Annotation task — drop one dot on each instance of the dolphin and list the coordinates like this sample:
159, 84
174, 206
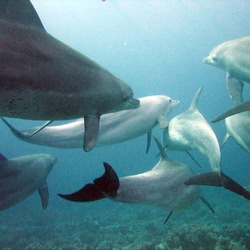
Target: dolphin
238, 127
22, 176
191, 131
114, 127
162, 186
234, 57
236, 110
42, 78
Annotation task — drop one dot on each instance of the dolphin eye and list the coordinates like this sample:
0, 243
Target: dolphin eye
170, 100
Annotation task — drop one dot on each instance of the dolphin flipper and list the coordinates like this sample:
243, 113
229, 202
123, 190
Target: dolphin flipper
104, 186
91, 124
44, 195
41, 128
149, 136
234, 88
238, 109
21, 12
218, 179
207, 203
225, 139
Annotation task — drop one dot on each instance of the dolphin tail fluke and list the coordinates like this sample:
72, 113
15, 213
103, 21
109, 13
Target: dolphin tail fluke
218, 179
44, 195
104, 186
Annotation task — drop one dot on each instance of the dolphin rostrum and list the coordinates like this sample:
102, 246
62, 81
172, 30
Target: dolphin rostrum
191, 131
41, 78
114, 127
234, 57
22, 176
162, 186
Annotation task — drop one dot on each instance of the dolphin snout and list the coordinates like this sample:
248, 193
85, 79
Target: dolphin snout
208, 59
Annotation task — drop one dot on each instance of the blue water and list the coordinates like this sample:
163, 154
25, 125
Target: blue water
156, 47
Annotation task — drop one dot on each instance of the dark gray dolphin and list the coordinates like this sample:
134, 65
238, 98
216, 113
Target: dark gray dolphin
22, 176
114, 127
43, 79
162, 186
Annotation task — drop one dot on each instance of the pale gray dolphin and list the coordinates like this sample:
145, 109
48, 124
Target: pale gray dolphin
114, 127
22, 176
43, 79
162, 186
234, 57
191, 131
238, 127
236, 110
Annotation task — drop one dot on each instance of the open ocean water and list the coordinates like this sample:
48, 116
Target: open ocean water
157, 47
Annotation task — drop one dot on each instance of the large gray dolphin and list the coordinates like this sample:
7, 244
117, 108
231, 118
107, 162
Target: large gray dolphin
162, 186
234, 57
236, 110
43, 79
114, 127
238, 127
191, 131
22, 176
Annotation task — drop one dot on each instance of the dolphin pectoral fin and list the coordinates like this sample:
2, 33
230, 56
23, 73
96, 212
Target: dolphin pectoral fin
40, 128
218, 179
89, 192
44, 195
236, 110
234, 88
91, 124
191, 156
104, 186
15, 131
169, 215
149, 136
225, 139
207, 203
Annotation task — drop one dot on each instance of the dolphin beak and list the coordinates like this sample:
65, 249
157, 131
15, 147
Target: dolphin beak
135, 103
207, 60
175, 103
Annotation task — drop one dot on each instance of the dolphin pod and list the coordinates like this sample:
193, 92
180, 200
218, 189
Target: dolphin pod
162, 186
233, 57
22, 176
114, 127
41, 78
191, 131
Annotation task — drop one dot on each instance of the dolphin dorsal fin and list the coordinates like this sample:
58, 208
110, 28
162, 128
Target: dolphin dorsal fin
20, 12
162, 152
194, 103
2, 158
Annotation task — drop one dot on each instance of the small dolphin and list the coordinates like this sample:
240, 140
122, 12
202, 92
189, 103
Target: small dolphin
236, 110
234, 57
238, 127
191, 131
114, 127
162, 186
22, 176
43, 79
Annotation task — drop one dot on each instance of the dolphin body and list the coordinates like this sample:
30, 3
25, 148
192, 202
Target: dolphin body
162, 186
191, 131
43, 79
238, 127
234, 57
114, 127
22, 176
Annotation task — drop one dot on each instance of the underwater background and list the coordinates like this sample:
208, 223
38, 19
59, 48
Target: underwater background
157, 47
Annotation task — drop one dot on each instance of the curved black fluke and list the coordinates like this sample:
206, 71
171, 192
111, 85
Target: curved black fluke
104, 186
218, 179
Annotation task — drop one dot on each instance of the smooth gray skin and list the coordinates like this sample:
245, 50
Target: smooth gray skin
238, 127
114, 127
43, 79
234, 57
162, 186
22, 176
191, 131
